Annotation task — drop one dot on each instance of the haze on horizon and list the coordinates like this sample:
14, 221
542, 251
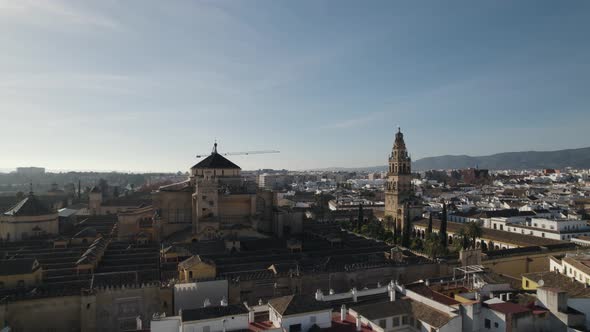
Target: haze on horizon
146, 85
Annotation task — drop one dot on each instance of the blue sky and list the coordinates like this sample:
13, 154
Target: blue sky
146, 85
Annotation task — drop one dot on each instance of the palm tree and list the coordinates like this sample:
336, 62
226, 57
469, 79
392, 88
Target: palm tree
433, 246
473, 230
463, 236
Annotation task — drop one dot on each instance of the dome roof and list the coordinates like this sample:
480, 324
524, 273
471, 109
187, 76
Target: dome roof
29, 206
215, 160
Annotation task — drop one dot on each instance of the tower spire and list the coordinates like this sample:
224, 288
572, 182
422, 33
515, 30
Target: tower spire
214, 147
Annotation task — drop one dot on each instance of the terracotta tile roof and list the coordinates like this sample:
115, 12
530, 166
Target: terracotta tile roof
551, 279
404, 306
296, 304
429, 315
193, 260
431, 294
508, 308
179, 186
580, 264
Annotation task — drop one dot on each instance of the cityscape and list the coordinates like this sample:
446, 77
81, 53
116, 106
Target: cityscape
300, 232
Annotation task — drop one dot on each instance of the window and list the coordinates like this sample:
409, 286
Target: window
295, 328
526, 283
404, 320
206, 328
496, 325
395, 321
312, 319
383, 323
487, 323
543, 234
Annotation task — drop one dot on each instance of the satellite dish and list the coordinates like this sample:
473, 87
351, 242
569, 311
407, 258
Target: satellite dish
541, 283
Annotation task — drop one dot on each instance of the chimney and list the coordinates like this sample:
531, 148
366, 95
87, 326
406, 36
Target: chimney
223, 302
358, 323
319, 296
391, 293
138, 323
343, 313
206, 303
354, 294
251, 316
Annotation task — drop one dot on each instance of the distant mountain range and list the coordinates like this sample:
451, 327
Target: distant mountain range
576, 158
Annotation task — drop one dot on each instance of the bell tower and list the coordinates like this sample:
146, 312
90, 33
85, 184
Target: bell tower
398, 188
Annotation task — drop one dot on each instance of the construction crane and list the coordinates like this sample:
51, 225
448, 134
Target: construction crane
244, 153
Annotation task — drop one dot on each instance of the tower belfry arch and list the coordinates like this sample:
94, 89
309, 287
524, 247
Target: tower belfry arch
398, 188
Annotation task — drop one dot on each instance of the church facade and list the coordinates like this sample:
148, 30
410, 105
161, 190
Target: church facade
214, 202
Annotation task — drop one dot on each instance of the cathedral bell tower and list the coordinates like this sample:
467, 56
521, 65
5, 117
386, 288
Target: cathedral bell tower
398, 188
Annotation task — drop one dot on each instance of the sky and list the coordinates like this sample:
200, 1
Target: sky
143, 85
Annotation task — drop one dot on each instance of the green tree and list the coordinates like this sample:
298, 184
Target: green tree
433, 246
406, 234
473, 231
461, 239
417, 244
361, 216
429, 229
443, 226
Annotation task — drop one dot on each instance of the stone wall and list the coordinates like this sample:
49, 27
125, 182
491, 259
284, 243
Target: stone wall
43, 314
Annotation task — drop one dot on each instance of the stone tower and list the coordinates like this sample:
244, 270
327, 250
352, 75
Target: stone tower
398, 190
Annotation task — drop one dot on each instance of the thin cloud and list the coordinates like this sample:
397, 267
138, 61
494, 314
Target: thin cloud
355, 122
31, 11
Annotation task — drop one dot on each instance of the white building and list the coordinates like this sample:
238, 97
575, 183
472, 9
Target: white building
557, 229
294, 313
209, 319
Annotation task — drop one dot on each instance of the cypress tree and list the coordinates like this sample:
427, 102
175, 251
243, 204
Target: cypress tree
429, 229
360, 217
406, 231
443, 226
395, 231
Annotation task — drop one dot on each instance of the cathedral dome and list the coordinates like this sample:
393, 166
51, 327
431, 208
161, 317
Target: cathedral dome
29, 206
